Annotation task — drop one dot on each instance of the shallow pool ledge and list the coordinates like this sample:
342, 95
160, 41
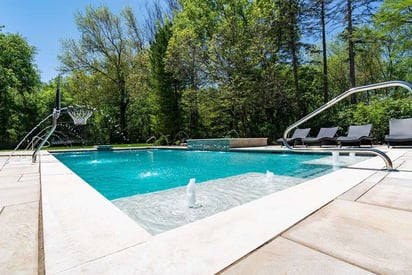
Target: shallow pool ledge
79, 224
206, 246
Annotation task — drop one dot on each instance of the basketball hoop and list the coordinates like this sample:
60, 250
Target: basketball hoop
79, 114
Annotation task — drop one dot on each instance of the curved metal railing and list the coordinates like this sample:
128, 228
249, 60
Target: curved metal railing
56, 114
337, 99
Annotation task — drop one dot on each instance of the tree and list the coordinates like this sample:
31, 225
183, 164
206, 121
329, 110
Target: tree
324, 52
351, 54
157, 13
226, 49
107, 47
287, 20
394, 24
316, 23
19, 80
187, 53
355, 13
167, 89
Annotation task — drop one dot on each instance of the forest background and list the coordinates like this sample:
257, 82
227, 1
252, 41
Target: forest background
214, 68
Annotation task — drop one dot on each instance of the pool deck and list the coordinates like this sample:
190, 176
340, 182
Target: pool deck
356, 220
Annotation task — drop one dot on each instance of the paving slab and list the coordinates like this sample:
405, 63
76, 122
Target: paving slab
19, 215
11, 169
405, 162
282, 256
18, 177
391, 192
406, 166
400, 174
19, 239
18, 193
372, 237
360, 189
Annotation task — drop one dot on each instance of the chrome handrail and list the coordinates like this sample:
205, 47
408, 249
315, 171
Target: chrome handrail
337, 99
56, 114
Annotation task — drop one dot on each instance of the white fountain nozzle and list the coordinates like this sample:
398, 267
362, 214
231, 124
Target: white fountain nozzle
335, 157
191, 193
269, 175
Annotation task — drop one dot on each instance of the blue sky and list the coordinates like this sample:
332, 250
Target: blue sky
44, 23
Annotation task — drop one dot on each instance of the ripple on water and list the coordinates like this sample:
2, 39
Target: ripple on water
161, 211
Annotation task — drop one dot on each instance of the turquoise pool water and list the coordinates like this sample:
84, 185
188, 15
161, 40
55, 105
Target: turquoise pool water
123, 173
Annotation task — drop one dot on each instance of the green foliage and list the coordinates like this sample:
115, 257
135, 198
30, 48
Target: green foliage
166, 88
378, 112
19, 81
107, 50
163, 140
226, 52
394, 26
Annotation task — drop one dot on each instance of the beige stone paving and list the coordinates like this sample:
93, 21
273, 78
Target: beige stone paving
19, 211
282, 256
11, 194
391, 192
18, 239
375, 238
360, 189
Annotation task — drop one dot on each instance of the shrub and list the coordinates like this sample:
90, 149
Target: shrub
379, 112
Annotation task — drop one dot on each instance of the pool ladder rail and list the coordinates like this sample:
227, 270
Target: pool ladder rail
374, 151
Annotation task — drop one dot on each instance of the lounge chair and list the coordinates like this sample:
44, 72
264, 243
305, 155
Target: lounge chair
357, 135
296, 138
400, 132
326, 136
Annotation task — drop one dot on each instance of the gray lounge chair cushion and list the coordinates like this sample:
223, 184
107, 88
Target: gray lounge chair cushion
356, 134
325, 135
398, 138
298, 135
400, 130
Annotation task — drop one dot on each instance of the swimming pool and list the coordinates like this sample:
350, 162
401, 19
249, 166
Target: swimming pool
122, 173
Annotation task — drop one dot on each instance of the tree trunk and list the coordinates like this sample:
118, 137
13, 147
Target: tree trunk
324, 53
124, 101
293, 51
351, 47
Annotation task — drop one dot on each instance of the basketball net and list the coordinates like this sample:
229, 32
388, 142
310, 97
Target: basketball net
79, 114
